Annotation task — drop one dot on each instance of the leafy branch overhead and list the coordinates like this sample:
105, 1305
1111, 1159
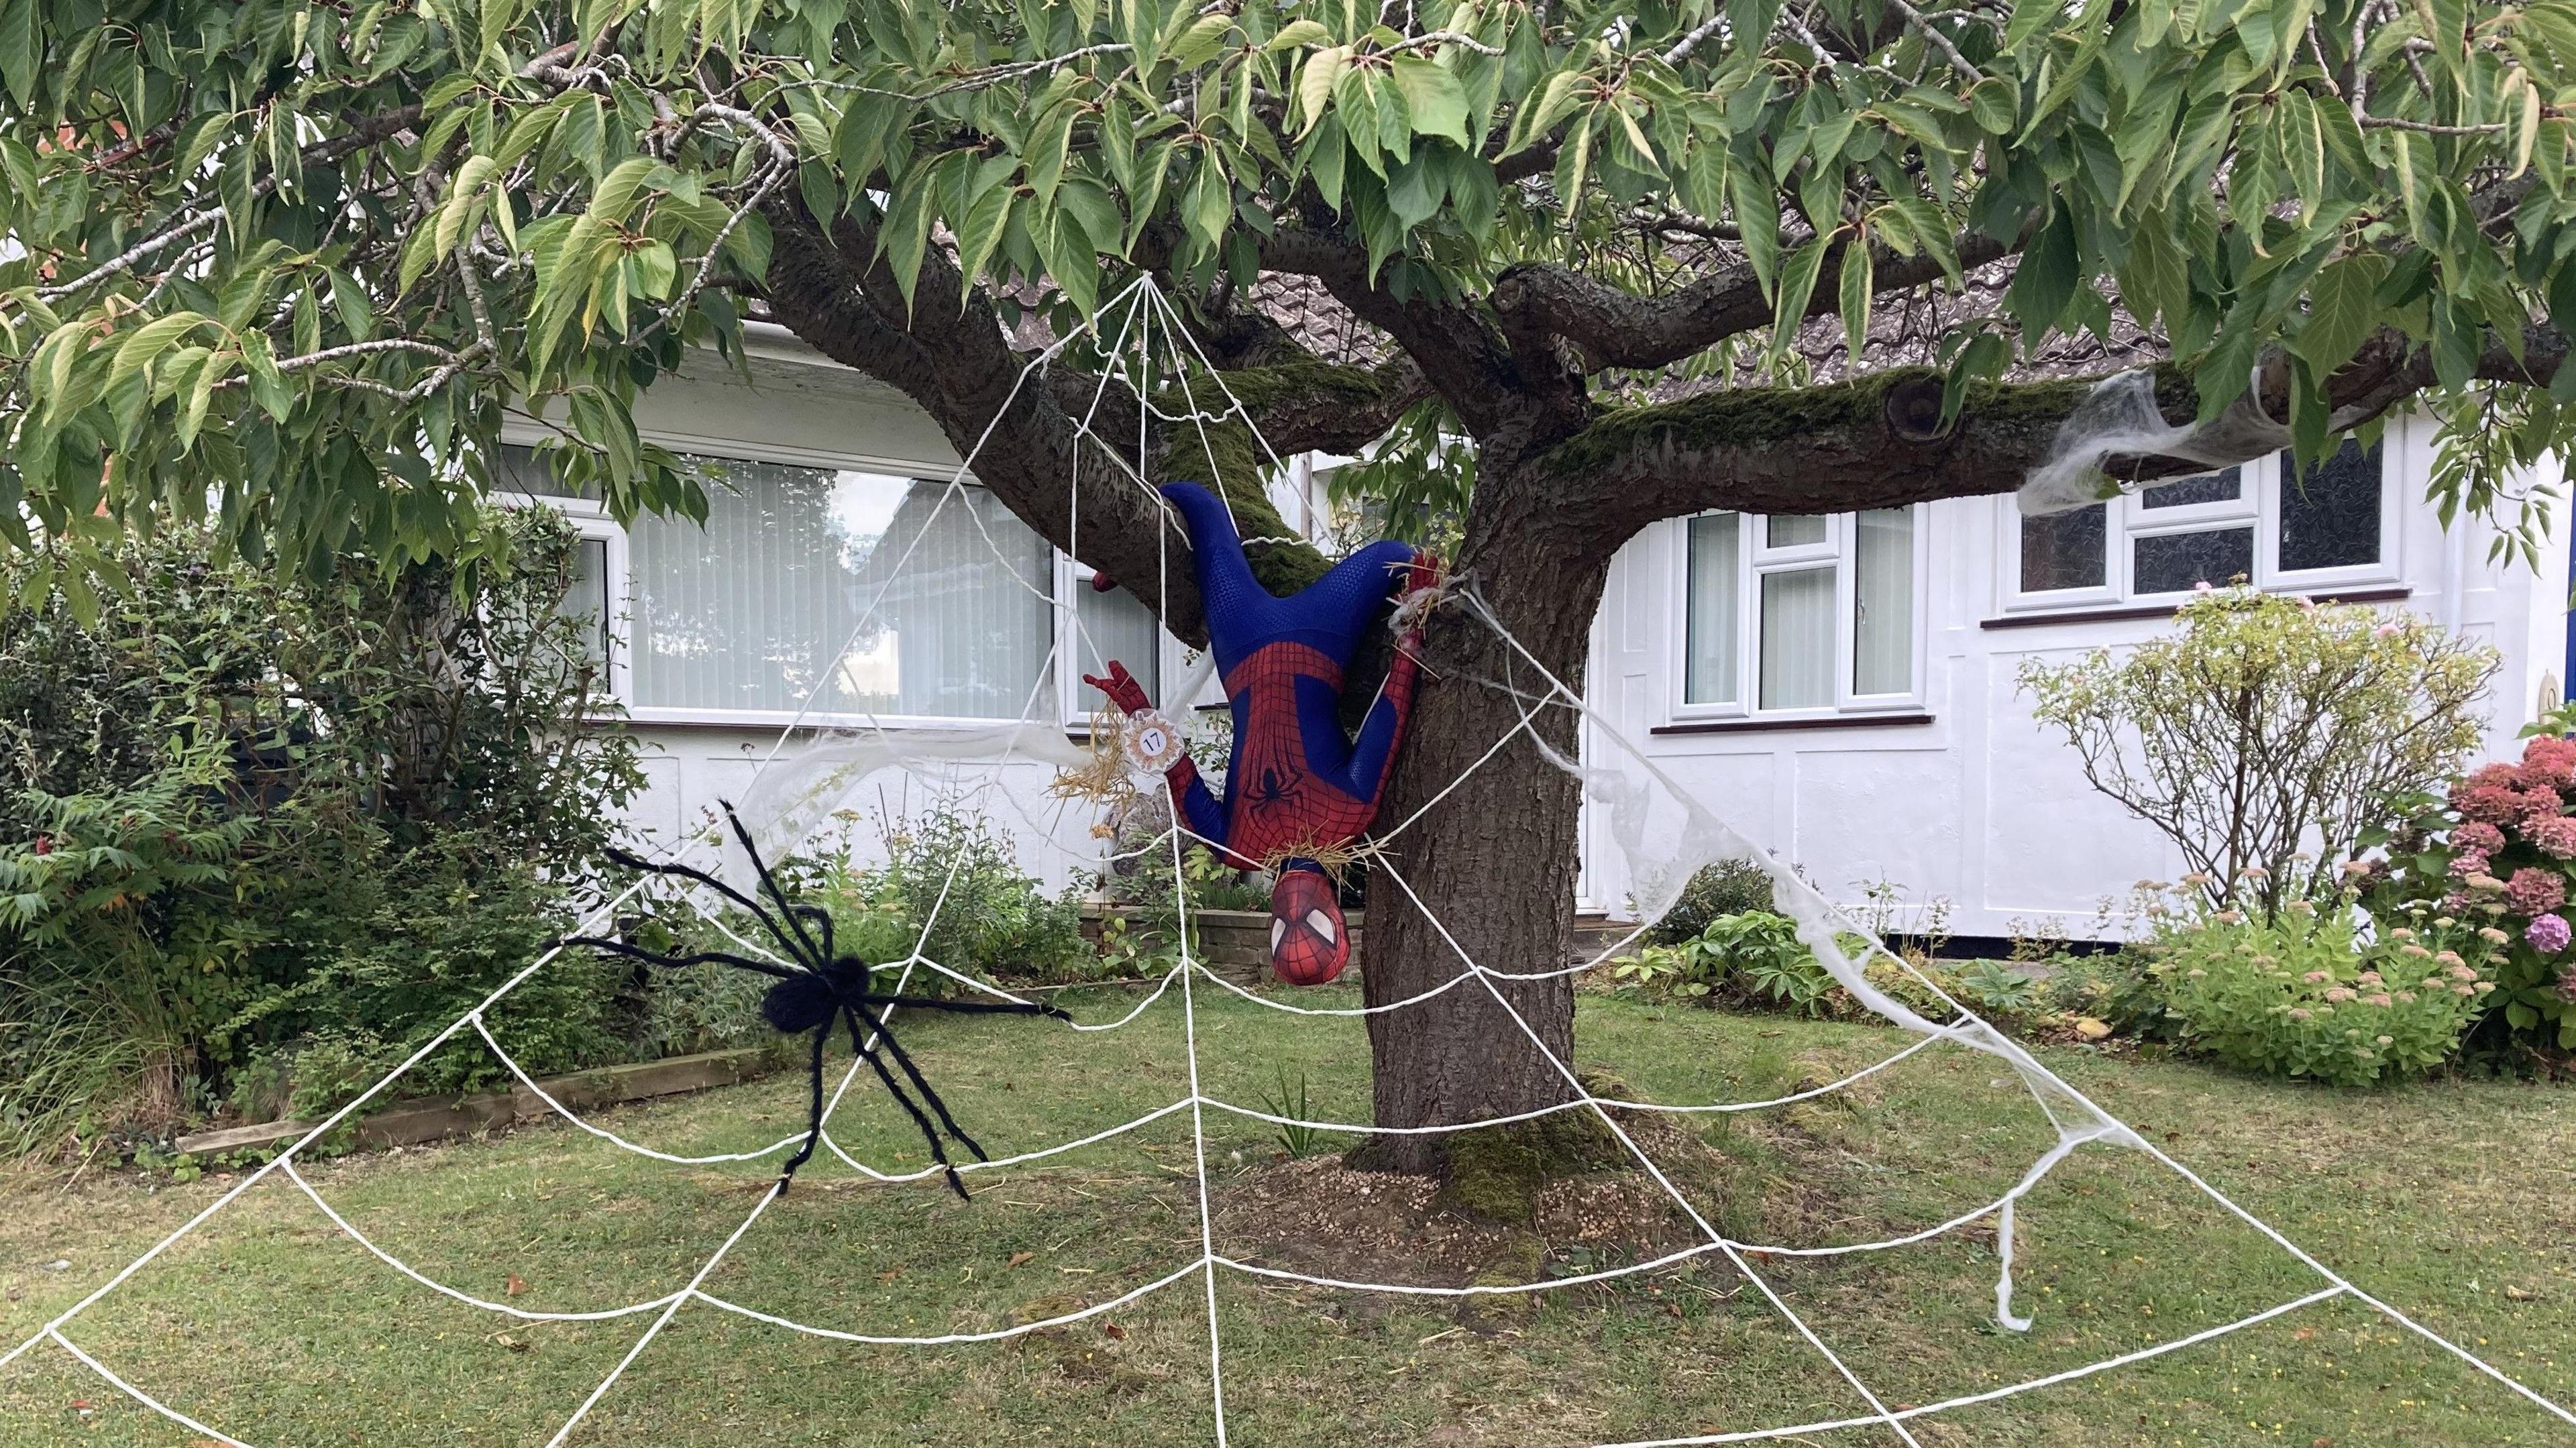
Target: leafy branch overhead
291, 262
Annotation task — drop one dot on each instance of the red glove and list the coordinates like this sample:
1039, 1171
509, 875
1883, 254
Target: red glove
1122, 689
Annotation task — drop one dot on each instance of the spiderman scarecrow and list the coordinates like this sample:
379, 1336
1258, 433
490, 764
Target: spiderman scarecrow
1296, 786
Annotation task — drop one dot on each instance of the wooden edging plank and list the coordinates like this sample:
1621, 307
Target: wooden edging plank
412, 1123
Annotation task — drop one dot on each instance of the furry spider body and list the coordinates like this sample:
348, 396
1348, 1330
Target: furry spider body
817, 990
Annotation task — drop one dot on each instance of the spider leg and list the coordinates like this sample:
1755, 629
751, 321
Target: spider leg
676, 870
822, 919
679, 962
938, 1153
769, 885
903, 1058
814, 1113
963, 1007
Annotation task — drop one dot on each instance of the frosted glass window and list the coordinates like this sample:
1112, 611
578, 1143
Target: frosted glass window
1792, 532
2178, 562
1709, 674
752, 611
2064, 550
1883, 600
2224, 486
1798, 639
1114, 625
2330, 512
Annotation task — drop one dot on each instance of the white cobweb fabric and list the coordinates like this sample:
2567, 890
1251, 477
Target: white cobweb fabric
1665, 836
2120, 418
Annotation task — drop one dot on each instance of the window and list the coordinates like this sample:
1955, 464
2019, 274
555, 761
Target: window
1798, 614
833, 591
2267, 522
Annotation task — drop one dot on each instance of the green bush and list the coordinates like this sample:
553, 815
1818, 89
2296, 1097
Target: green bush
1728, 887
2300, 995
985, 916
260, 832
1750, 958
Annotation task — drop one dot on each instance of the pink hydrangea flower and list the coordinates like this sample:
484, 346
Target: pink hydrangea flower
2554, 836
2478, 835
2548, 934
2538, 804
2494, 804
2468, 864
2549, 761
2567, 986
2532, 890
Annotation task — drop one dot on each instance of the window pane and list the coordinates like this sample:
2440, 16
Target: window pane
1791, 532
2219, 487
1709, 672
751, 611
2179, 562
1883, 585
1114, 625
2064, 550
1798, 639
587, 598
2330, 513
521, 470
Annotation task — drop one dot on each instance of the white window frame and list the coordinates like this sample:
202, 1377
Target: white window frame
2259, 504
1756, 558
591, 519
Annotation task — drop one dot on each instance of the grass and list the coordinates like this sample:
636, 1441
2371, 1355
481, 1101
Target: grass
2453, 1201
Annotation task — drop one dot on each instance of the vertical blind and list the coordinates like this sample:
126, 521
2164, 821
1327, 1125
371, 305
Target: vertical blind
749, 612
1709, 672
1883, 601
1113, 625
1798, 638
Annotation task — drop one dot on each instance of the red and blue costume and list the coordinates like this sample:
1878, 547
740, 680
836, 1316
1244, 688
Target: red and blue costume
1295, 783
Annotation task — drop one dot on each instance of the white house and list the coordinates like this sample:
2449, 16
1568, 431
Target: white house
1842, 689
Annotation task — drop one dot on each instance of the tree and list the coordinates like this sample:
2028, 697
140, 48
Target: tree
291, 260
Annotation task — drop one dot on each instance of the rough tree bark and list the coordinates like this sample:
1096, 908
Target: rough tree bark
1562, 483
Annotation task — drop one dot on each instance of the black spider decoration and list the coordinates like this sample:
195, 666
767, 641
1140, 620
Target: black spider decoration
821, 989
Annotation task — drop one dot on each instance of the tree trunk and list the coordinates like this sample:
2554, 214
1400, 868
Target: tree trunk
1494, 861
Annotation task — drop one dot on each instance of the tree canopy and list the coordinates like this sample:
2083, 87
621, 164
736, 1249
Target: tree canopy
290, 260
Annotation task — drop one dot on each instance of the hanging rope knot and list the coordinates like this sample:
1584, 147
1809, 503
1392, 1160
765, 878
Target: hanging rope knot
1428, 589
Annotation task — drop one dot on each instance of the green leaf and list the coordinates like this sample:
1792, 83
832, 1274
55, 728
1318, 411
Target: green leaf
981, 232
22, 49
2045, 281
2343, 309
1432, 97
1797, 286
1858, 268
1996, 104
1296, 33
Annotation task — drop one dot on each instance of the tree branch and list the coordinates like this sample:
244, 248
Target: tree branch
1876, 442
1618, 328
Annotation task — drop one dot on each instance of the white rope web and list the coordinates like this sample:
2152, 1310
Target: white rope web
787, 803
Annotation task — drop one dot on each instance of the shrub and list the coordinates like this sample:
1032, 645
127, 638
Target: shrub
1728, 887
255, 824
2301, 995
2264, 733
984, 915
1750, 958
2496, 851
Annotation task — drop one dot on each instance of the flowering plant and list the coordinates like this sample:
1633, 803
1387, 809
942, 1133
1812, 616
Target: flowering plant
2305, 994
2498, 852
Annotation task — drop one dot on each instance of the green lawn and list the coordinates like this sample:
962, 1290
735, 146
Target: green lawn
2453, 1201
